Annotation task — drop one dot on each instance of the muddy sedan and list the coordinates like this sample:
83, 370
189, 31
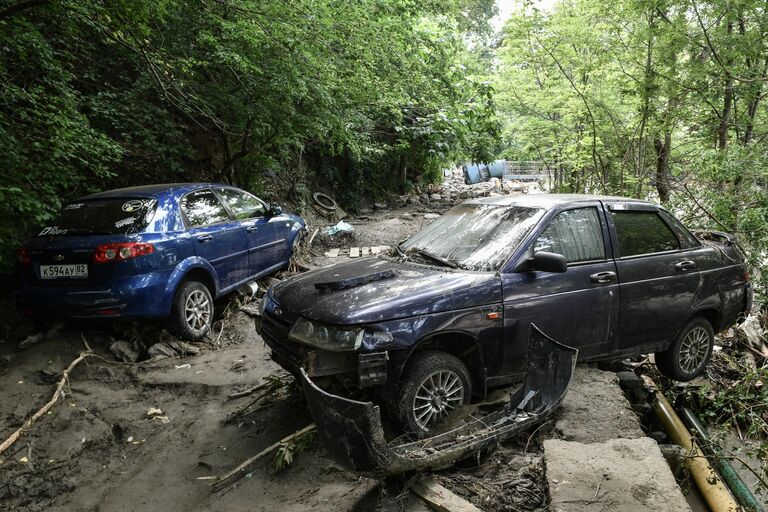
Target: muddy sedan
447, 316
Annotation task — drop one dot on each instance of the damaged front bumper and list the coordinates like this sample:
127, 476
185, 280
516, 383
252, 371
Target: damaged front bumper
353, 435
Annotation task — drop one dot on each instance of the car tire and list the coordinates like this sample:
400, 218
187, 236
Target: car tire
688, 356
435, 379
192, 312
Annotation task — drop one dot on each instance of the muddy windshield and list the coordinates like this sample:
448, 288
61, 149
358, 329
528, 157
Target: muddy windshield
474, 236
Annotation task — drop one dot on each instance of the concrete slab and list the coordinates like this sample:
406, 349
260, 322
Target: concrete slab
620, 475
595, 409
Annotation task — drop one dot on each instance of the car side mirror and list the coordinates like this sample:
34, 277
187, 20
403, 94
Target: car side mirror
547, 262
275, 209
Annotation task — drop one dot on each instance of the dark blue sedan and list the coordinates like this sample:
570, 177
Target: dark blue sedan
449, 315
156, 251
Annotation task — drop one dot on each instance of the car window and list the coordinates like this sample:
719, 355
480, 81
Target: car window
576, 234
242, 204
203, 207
107, 216
643, 233
687, 240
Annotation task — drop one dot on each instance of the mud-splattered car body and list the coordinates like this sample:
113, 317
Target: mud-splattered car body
607, 303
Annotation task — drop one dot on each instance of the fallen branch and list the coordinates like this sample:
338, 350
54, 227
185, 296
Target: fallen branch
243, 469
56, 395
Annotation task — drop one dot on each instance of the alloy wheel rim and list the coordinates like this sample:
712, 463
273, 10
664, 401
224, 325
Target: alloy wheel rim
437, 396
197, 310
694, 349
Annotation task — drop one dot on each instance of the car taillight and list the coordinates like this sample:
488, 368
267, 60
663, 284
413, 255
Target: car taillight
24, 258
119, 252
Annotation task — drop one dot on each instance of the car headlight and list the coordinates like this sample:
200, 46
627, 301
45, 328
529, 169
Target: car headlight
325, 336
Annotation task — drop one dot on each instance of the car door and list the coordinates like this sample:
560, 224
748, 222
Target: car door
658, 276
251, 213
577, 307
218, 238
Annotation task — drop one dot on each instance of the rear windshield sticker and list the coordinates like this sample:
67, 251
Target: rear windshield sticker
125, 222
74, 206
53, 230
133, 205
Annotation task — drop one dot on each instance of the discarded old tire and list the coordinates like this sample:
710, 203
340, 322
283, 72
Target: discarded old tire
690, 353
325, 201
192, 313
434, 386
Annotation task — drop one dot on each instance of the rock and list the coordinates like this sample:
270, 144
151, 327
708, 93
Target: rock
465, 194
412, 200
632, 476
380, 206
435, 197
407, 215
161, 350
124, 351
183, 348
365, 211
424, 198
32, 340
431, 216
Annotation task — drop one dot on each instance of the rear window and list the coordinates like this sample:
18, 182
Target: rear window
111, 216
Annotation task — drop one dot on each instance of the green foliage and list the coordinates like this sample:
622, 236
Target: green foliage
287, 451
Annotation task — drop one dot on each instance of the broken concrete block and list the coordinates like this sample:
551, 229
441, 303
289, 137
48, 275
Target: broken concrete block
161, 350
354, 252
333, 253
625, 475
431, 216
365, 251
183, 348
124, 351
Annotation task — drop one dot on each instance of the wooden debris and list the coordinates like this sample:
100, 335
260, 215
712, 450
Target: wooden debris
438, 497
354, 252
244, 468
56, 395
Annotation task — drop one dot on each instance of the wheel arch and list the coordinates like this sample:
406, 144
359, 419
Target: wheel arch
712, 315
464, 346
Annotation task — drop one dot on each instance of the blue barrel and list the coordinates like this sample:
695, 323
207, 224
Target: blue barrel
496, 168
472, 173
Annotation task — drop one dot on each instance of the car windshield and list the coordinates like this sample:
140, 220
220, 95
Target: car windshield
102, 217
474, 236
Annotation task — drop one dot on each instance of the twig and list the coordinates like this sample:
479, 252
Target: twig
533, 434
248, 391
597, 491
56, 395
241, 470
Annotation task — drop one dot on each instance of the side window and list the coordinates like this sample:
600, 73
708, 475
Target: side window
242, 204
576, 234
687, 240
643, 233
203, 208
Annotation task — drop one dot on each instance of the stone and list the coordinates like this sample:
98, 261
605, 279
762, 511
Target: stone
407, 215
183, 348
631, 475
124, 351
160, 350
412, 200
424, 198
380, 206
431, 216
435, 197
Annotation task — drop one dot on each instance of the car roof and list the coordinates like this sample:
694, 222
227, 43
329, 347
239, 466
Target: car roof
549, 201
152, 190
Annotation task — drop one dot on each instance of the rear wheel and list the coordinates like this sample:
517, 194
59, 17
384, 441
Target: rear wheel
192, 313
435, 385
689, 355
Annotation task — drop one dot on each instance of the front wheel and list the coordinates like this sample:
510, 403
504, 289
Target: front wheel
689, 355
192, 313
435, 385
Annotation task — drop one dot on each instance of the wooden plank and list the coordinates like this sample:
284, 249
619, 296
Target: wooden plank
440, 498
354, 252
375, 250
333, 253
365, 251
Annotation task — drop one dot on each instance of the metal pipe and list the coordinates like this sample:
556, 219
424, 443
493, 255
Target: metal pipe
731, 478
704, 476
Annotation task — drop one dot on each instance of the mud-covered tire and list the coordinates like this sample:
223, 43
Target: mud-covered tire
449, 381
689, 354
192, 311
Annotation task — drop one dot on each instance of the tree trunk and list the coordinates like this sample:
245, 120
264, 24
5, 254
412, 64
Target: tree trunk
663, 151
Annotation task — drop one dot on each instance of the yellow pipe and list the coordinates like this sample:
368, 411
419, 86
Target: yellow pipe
704, 476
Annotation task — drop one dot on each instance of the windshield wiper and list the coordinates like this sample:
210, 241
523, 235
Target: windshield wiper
447, 263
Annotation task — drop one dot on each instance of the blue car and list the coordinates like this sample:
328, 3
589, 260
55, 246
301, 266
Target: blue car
157, 251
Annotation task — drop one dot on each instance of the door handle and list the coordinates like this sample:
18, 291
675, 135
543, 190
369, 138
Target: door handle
603, 277
685, 265
204, 238
252, 229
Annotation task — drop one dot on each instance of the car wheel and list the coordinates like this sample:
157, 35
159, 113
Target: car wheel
434, 386
689, 355
192, 310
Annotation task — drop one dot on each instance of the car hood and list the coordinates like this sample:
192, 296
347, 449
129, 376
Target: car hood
375, 289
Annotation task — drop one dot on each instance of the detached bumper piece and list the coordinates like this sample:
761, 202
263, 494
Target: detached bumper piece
352, 431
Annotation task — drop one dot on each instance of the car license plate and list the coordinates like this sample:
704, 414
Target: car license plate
59, 271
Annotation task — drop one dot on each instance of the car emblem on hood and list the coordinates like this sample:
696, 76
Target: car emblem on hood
58, 257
